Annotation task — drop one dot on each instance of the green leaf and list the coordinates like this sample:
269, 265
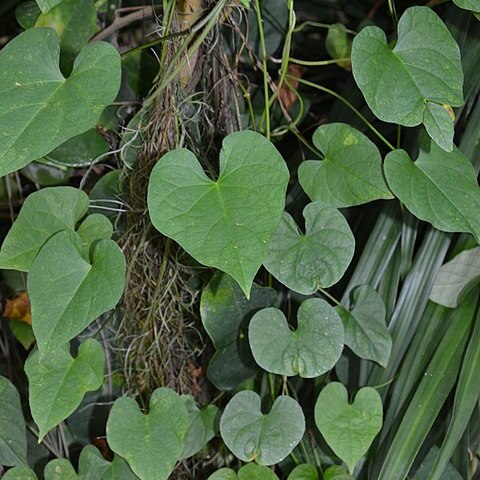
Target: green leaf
316, 259
267, 439
202, 426
339, 45
20, 473
336, 473
81, 290
424, 66
366, 331
456, 278
472, 5
40, 108
439, 125
81, 150
440, 188
58, 383
311, 350
351, 171
152, 443
26, 14
348, 428
92, 466
13, 438
94, 228
45, 174
23, 333
223, 474
226, 313
247, 472
425, 467
46, 5
227, 223
43, 214
60, 469
304, 472
75, 22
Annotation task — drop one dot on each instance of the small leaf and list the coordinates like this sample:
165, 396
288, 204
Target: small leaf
23, 332
58, 383
313, 349
46, 5
81, 291
267, 439
227, 223
440, 188
26, 14
439, 125
152, 443
349, 429
13, 438
366, 331
424, 66
351, 172
223, 474
202, 426
92, 466
226, 313
40, 108
75, 22
318, 258
456, 278
339, 45
43, 214
336, 473
45, 174
94, 228
256, 472
472, 5
20, 473
304, 472
59, 469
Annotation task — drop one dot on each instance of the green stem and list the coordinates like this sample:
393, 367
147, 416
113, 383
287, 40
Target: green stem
318, 63
330, 297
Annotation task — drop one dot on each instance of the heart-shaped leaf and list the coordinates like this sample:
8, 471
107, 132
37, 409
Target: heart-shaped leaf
20, 473
456, 278
202, 426
92, 466
304, 472
366, 331
267, 439
68, 292
58, 383
59, 469
227, 223
351, 171
247, 472
94, 228
75, 22
313, 349
153, 443
226, 313
43, 214
423, 67
349, 429
472, 5
40, 108
13, 438
440, 188
318, 258
336, 472
223, 474
46, 5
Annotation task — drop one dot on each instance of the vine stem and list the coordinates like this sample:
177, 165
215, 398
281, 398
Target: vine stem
264, 63
348, 104
330, 297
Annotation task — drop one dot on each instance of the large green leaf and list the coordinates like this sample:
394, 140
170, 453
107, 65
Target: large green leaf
152, 443
227, 223
311, 350
58, 383
43, 214
13, 439
440, 188
67, 291
202, 426
424, 67
46, 5
267, 439
92, 466
318, 258
366, 331
456, 278
226, 313
40, 109
348, 428
351, 171
75, 22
